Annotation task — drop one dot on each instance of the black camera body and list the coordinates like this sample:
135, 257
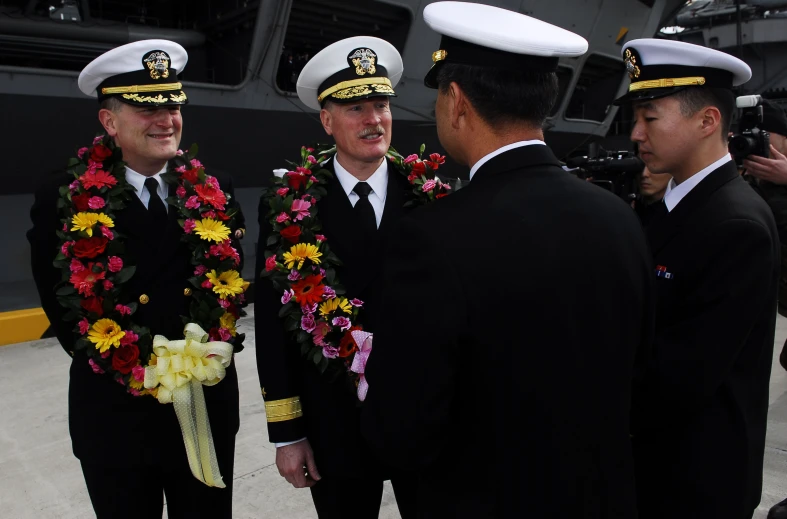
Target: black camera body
750, 139
614, 171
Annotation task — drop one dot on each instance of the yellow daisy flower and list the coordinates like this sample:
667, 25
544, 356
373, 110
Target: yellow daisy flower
228, 283
211, 230
300, 253
228, 321
337, 303
105, 333
85, 221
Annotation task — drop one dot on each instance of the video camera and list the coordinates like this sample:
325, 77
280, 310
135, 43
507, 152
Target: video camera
749, 139
613, 170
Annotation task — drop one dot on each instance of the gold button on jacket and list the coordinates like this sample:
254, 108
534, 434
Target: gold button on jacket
144, 299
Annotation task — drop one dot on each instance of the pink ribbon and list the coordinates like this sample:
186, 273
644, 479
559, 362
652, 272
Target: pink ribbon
364, 342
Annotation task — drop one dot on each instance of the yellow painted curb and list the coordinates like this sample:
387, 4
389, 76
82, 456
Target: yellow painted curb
22, 325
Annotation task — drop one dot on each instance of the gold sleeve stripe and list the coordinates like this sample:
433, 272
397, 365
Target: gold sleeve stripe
133, 89
283, 410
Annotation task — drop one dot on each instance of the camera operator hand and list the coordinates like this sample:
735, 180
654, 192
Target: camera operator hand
773, 169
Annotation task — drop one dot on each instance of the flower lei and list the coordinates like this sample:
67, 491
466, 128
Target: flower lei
95, 270
302, 267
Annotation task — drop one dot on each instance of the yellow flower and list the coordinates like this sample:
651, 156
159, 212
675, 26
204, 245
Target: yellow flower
228, 321
211, 230
333, 304
301, 252
136, 384
105, 333
228, 283
86, 221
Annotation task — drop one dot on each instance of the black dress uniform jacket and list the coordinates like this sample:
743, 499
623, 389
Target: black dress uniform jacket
518, 307
143, 431
330, 417
700, 410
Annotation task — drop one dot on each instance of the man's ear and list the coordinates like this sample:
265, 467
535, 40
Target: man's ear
107, 119
457, 104
710, 120
326, 120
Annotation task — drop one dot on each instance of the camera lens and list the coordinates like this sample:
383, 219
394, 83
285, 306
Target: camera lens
742, 145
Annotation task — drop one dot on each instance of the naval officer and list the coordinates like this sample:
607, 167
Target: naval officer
700, 408
521, 301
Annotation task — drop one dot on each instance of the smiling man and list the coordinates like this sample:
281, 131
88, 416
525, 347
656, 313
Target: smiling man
699, 409
130, 447
314, 421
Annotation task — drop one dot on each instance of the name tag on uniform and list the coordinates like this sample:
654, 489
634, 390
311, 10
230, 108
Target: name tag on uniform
661, 272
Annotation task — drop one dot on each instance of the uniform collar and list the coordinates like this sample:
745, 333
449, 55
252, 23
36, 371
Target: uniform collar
486, 158
138, 179
378, 181
676, 192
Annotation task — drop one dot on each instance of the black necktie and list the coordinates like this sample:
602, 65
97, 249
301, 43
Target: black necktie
156, 207
364, 212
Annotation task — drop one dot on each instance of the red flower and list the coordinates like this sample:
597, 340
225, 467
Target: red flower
309, 290
210, 195
438, 196
93, 304
125, 359
270, 263
296, 180
222, 216
84, 280
291, 233
419, 168
97, 179
347, 345
223, 251
100, 153
89, 247
81, 201
190, 175
437, 159
433, 165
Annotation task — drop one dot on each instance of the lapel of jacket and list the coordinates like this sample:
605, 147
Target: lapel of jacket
395, 198
664, 229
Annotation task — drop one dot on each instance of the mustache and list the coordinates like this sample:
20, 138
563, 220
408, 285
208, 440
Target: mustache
370, 131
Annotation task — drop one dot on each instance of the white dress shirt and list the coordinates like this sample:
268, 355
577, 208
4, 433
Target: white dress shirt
676, 192
138, 181
486, 158
378, 182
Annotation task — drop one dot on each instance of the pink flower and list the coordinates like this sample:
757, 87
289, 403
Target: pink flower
93, 166
115, 264
207, 284
84, 326
212, 181
96, 367
209, 214
283, 217
411, 158
195, 163
320, 237
108, 284
241, 298
330, 352
129, 338
76, 266
287, 296
307, 323
180, 169
179, 153
181, 192
294, 275
73, 186
270, 263
356, 303
322, 272
328, 293
65, 227
224, 334
81, 152
303, 171
282, 191
311, 159
133, 391
189, 225
107, 233
428, 186
98, 140
200, 270
301, 208
309, 309
224, 303
95, 202
123, 309
138, 372
192, 202
106, 354
342, 322
64, 248
308, 149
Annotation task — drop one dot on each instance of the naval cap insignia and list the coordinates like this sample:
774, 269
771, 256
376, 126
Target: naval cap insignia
631, 64
363, 60
157, 62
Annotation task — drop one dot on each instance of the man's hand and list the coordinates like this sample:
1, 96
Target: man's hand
296, 464
773, 169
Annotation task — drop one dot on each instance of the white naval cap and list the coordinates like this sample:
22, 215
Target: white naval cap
488, 36
142, 73
658, 68
350, 69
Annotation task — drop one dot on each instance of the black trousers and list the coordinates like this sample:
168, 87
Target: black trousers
360, 498
138, 492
